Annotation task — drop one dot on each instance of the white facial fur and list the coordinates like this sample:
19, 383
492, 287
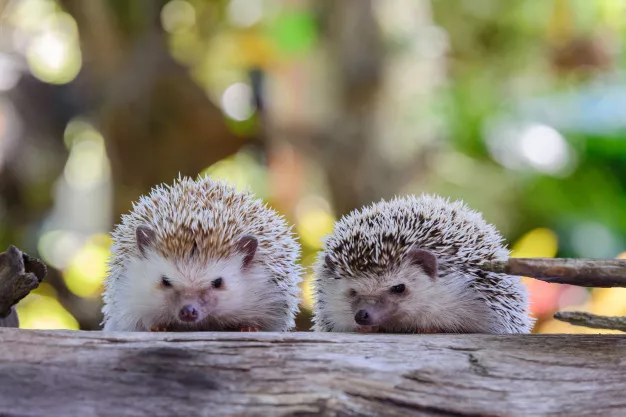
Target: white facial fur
443, 304
246, 297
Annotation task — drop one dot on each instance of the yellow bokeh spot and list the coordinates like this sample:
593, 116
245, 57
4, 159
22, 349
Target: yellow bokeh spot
255, 50
538, 243
54, 55
313, 225
608, 301
242, 171
46, 290
42, 312
307, 294
87, 268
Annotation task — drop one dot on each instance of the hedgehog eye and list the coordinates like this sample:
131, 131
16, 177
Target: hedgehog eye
352, 293
165, 281
217, 283
398, 289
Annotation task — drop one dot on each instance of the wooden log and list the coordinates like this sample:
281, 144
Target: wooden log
63, 373
602, 273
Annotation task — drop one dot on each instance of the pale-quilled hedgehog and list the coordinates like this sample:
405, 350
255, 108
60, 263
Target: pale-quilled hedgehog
201, 256
409, 265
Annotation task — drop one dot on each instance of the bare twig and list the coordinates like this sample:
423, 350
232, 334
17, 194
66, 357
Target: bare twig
19, 275
579, 318
581, 272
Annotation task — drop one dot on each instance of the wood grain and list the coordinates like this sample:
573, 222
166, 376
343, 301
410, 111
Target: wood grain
62, 373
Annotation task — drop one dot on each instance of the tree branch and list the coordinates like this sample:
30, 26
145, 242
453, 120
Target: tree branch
580, 318
602, 273
19, 275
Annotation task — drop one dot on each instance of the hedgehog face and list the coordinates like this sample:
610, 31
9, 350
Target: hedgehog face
387, 301
186, 293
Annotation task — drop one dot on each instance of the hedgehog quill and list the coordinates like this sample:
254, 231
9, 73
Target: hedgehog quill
410, 265
201, 256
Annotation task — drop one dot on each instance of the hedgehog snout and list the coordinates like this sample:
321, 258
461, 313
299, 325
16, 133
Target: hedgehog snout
363, 318
370, 312
188, 313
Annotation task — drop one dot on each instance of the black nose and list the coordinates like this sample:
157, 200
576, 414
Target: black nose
188, 313
362, 317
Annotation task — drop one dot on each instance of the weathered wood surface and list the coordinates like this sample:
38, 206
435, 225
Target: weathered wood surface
44, 373
601, 273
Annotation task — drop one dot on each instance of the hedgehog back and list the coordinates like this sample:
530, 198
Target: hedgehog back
212, 216
377, 237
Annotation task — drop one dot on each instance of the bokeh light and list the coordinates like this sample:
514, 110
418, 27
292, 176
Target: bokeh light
237, 102
87, 269
243, 171
314, 221
178, 16
245, 13
57, 247
88, 164
544, 148
537, 243
44, 312
54, 54
307, 289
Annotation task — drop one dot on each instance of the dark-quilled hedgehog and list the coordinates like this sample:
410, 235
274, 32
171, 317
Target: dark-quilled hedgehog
410, 265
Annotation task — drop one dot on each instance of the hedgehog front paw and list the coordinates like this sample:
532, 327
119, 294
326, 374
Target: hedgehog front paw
367, 329
427, 331
158, 329
249, 329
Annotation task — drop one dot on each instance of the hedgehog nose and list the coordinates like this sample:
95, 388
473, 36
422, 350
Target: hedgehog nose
362, 317
188, 313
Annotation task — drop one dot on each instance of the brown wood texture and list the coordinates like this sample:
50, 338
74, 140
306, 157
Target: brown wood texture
62, 373
581, 272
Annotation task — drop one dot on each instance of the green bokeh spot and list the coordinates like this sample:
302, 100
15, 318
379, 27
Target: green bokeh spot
294, 32
243, 128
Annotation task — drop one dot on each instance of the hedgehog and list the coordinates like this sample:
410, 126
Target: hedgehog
202, 256
411, 265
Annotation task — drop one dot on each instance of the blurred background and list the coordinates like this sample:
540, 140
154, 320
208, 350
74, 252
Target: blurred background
517, 107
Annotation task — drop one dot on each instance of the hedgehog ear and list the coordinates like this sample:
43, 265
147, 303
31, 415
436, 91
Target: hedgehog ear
424, 259
145, 238
247, 246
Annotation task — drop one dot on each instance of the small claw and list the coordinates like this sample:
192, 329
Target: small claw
367, 329
158, 329
249, 329
422, 331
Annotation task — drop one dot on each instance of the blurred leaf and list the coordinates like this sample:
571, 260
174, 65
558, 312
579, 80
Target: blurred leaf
294, 32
